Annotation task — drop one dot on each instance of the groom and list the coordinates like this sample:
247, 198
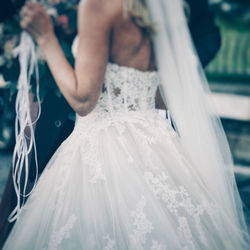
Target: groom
57, 119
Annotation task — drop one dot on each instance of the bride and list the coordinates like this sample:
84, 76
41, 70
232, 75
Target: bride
124, 178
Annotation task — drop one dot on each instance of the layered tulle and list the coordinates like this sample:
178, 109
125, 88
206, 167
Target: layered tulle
122, 183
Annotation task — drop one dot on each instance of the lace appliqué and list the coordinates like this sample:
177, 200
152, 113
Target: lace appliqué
92, 162
89, 153
128, 89
110, 244
142, 226
63, 233
179, 203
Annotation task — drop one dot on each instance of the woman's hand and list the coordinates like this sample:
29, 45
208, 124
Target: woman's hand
36, 21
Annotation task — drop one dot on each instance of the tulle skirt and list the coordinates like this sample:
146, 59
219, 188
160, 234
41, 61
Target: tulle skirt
122, 183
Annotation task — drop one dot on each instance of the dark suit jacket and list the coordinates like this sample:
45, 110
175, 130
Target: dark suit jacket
54, 126
9, 8
205, 33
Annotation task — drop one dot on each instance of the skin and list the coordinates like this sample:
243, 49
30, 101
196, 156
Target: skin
98, 21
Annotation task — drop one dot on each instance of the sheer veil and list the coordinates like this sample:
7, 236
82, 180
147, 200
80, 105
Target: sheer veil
185, 91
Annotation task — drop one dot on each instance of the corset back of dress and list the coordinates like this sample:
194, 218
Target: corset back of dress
127, 89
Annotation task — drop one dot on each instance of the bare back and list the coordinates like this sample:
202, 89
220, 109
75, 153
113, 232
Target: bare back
129, 47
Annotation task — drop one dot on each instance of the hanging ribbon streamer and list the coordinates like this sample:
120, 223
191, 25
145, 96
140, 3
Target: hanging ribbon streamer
185, 91
24, 124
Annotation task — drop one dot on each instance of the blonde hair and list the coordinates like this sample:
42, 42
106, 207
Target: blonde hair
137, 9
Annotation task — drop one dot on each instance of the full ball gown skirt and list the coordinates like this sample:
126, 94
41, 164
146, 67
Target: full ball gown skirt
122, 181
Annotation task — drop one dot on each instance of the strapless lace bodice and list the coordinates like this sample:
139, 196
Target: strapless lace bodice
128, 95
127, 89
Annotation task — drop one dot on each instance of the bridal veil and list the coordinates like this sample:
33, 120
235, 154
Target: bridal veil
186, 92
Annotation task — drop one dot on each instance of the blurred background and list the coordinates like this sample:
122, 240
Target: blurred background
228, 75
229, 78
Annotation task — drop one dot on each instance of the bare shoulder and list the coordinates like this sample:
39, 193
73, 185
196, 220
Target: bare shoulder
103, 10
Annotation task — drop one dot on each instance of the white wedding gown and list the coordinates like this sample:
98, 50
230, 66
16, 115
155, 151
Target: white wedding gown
121, 181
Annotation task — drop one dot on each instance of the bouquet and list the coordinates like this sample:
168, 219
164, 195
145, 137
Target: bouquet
64, 16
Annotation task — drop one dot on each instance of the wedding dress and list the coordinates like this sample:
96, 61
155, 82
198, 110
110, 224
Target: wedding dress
121, 180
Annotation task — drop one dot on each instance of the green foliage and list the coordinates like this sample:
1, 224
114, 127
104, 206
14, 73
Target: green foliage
232, 63
233, 13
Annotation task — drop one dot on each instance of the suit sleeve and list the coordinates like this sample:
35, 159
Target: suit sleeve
205, 33
9, 8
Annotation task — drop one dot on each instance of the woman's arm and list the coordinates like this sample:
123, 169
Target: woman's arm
80, 86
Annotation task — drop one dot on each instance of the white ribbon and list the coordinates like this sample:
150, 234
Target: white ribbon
24, 145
